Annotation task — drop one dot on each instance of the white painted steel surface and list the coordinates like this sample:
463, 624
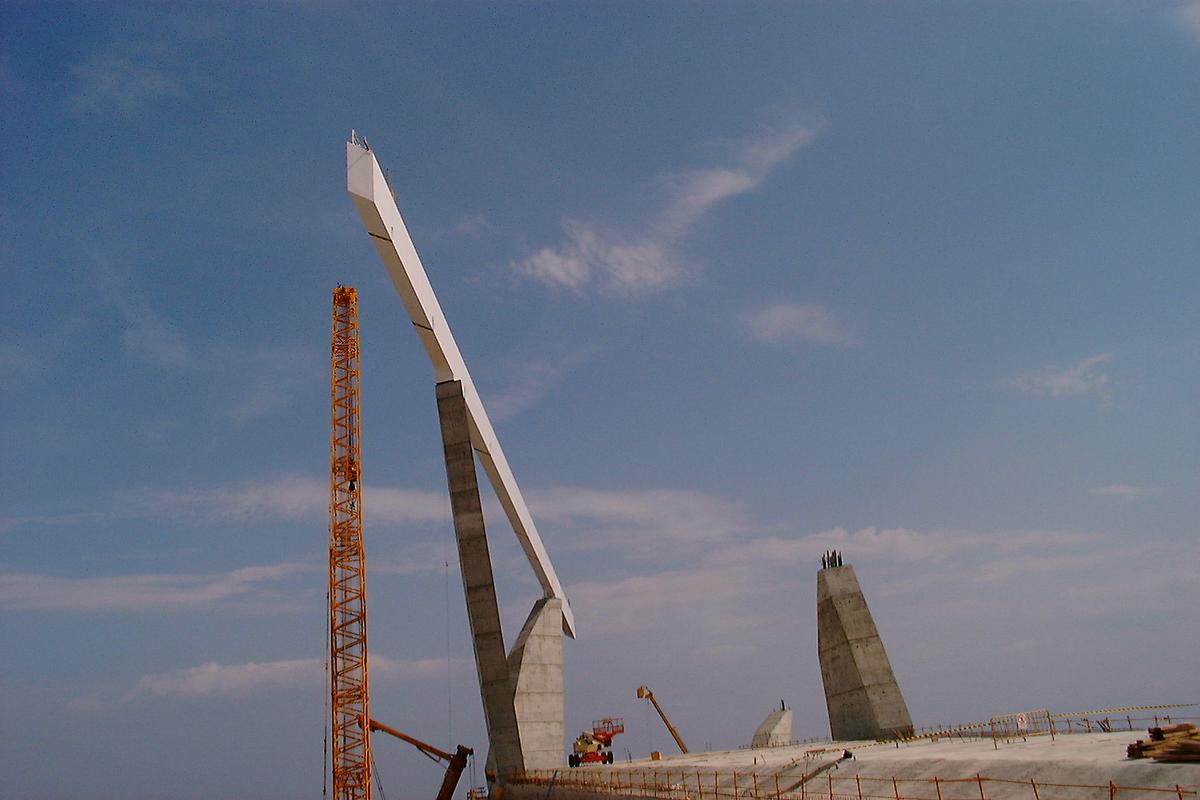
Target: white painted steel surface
377, 207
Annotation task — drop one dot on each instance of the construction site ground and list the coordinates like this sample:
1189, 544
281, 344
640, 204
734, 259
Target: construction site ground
1069, 767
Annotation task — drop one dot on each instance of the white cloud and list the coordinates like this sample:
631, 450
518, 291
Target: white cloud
1189, 17
645, 262
118, 84
792, 322
147, 336
472, 225
739, 592
695, 192
568, 266
291, 497
154, 341
232, 680
709, 604
530, 381
153, 592
1124, 491
1086, 376
617, 265
245, 383
15, 358
241, 680
643, 523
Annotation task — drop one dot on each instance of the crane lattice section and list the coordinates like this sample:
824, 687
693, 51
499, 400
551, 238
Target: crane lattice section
347, 563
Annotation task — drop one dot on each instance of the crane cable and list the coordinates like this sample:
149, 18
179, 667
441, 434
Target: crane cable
378, 781
449, 689
326, 716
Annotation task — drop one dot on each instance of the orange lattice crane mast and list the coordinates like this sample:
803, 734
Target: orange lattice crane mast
352, 723
347, 564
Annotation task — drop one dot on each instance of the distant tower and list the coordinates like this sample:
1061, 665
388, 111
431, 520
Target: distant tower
861, 692
775, 730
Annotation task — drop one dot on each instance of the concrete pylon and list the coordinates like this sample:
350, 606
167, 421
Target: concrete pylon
861, 692
775, 730
495, 686
535, 666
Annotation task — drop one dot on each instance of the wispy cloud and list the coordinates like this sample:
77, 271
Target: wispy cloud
793, 322
1188, 14
637, 263
1124, 491
16, 363
272, 376
472, 225
155, 592
232, 680
145, 65
245, 383
708, 593
290, 497
146, 337
154, 341
10, 84
606, 259
213, 680
287, 497
1085, 377
120, 83
640, 522
529, 382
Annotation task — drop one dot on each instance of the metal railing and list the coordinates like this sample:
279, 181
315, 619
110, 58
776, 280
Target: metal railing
1021, 726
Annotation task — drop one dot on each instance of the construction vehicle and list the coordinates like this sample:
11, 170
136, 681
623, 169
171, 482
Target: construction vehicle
454, 763
593, 747
643, 692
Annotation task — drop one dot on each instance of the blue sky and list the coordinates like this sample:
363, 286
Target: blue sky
739, 283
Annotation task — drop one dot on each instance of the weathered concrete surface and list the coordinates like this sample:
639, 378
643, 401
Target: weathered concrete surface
495, 686
535, 666
1086, 760
861, 692
775, 730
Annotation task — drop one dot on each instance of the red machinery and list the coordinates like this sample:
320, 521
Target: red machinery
592, 747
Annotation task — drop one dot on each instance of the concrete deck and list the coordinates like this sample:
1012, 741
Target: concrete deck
1072, 760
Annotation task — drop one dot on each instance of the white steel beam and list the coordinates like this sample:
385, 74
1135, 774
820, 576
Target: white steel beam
373, 198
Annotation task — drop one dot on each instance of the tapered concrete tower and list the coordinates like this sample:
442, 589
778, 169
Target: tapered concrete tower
522, 691
861, 693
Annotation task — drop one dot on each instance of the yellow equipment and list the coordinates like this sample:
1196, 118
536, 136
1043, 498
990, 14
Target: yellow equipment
592, 747
644, 692
454, 763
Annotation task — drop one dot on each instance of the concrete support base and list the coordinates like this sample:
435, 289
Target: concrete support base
523, 691
483, 612
535, 666
861, 692
775, 730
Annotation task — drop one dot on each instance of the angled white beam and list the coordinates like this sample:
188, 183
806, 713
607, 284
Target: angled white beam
377, 207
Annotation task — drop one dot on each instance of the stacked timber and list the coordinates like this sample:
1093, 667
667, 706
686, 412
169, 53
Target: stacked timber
1174, 743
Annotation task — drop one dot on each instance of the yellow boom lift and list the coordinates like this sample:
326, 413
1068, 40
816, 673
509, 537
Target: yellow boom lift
645, 693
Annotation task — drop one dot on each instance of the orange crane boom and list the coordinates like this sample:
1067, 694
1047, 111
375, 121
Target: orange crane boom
347, 563
454, 763
644, 691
